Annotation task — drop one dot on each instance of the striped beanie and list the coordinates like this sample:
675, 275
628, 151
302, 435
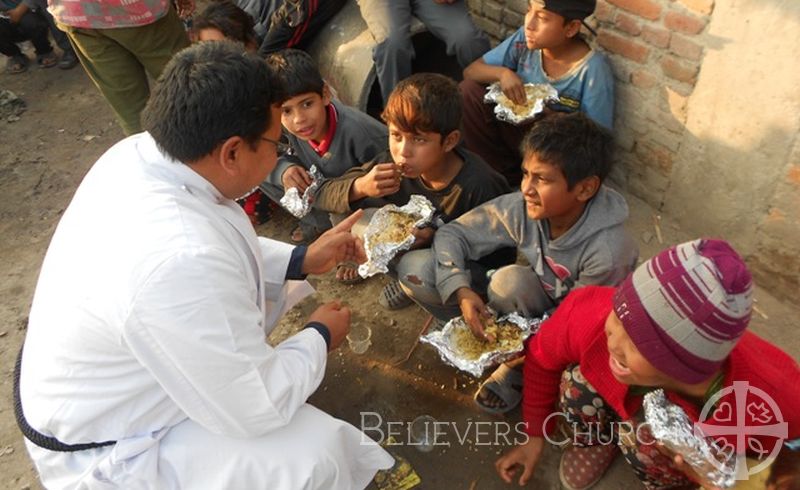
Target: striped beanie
686, 308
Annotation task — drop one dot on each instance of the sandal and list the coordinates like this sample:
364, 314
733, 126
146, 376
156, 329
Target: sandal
17, 64
393, 297
582, 467
47, 60
303, 233
347, 273
506, 384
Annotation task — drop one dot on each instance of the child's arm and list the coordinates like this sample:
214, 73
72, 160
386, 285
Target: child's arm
383, 179
510, 83
368, 180
296, 176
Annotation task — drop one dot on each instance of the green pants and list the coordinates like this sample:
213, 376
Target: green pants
119, 61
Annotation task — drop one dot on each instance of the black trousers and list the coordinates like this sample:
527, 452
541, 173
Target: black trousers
32, 26
295, 22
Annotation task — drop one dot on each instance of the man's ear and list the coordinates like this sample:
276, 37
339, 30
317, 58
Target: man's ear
572, 28
229, 154
451, 140
587, 188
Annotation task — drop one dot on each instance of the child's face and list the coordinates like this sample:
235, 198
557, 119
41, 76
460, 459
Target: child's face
306, 115
627, 364
544, 188
544, 29
416, 153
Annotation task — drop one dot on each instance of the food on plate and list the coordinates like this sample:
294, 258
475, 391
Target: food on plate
507, 336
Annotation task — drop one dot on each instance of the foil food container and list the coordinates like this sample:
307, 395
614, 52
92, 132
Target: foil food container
299, 205
538, 94
671, 426
444, 341
380, 254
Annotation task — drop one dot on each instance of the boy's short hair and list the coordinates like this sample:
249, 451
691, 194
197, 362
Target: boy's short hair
208, 93
569, 9
425, 102
572, 142
225, 16
298, 72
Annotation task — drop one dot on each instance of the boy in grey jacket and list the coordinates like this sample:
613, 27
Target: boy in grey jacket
564, 221
321, 131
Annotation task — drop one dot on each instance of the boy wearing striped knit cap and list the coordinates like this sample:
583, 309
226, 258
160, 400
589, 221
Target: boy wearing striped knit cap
678, 323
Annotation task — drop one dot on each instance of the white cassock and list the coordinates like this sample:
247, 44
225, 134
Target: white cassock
147, 328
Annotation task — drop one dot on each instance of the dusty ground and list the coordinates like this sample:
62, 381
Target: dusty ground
43, 157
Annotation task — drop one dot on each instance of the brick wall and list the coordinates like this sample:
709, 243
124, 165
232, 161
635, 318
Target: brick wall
656, 49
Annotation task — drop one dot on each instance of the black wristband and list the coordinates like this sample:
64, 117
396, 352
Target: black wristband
322, 329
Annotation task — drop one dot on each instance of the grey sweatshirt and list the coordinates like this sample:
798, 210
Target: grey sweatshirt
358, 139
596, 250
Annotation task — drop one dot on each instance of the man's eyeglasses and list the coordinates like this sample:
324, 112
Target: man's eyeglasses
281, 147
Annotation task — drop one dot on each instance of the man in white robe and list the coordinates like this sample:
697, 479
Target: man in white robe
145, 363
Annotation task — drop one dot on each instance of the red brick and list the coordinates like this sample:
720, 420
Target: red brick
676, 70
628, 23
623, 46
685, 48
648, 9
656, 36
685, 23
643, 79
703, 7
604, 12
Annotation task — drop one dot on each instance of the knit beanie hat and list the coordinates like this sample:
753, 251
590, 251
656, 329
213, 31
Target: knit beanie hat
686, 308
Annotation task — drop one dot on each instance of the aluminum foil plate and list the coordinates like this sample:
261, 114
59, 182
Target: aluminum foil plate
671, 426
507, 111
299, 205
381, 251
444, 341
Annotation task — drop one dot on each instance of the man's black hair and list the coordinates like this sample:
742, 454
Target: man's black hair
208, 93
424, 102
572, 142
225, 16
297, 71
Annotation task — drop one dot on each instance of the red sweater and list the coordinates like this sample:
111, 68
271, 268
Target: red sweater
575, 334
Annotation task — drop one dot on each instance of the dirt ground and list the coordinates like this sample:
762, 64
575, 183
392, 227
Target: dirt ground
67, 126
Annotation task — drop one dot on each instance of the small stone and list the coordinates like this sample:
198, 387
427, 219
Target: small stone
88, 137
6, 450
3, 334
647, 237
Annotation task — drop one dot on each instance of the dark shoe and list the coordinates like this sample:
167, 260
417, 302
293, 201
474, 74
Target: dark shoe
68, 60
393, 297
17, 64
47, 60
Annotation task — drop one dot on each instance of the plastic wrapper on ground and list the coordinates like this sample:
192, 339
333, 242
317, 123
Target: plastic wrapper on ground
504, 110
379, 254
298, 205
444, 342
671, 426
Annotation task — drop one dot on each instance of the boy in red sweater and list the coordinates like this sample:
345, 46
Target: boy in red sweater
678, 323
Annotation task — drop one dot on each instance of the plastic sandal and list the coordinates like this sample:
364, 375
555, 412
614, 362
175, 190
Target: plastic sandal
47, 60
506, 384
393, 297
17, 64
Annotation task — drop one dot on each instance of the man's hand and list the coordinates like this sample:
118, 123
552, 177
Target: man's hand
512, 86
15, 14
423, 237
524, 456
334, 246
296, 176
337, 318
474, 311
382, 180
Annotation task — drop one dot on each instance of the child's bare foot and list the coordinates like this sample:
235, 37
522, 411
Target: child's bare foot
502, 391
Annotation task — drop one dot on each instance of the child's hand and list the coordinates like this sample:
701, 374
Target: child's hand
382, 180
423, 237
296, 176
684, 467
525, 456
512, 86
474, 311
